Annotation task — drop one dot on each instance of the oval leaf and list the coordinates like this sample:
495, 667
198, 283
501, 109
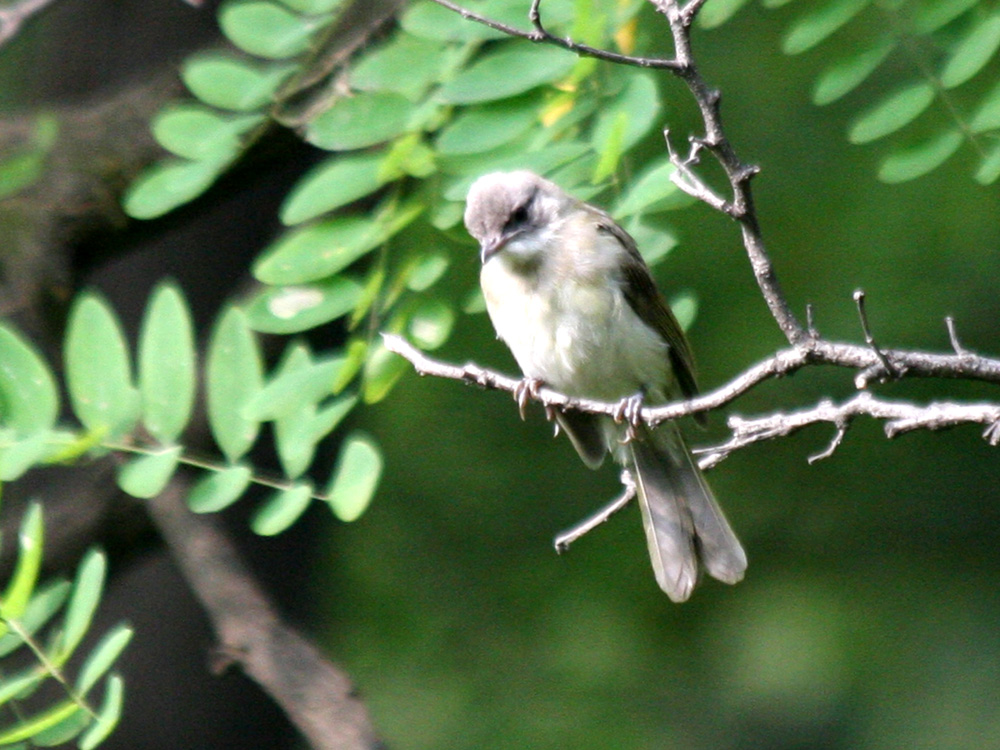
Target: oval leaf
29, 562
146, 476
108, 714
281, 510
406, 65
167, 364
893, 113
488, 126
360, 120
230, 82
846, 75
431, 324
103, 657
817, 24
167, 185
918, 161
292, 309
512, 69
972, 53
267, 29
653, 191
219, 489
98, 370
357, 475
334, 183
87, 590
29, 400
234, 375
193, 131
318, 250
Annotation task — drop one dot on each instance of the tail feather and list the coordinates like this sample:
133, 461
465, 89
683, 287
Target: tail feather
683, 523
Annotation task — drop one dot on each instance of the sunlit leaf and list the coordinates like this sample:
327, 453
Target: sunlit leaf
47, 599
639, 100
103, 657
930, 15
167, 185
146, 476
29, 399
989, 169
299, 379
267, 29
194, 131
917, 161
313, 7
167, 364
846, 75
98, 368
381, 371
987, 115
716, 12
431, 323
230, 82
219, 489
355, 478
29, 561
336, 182
512, 69
972, 53
891, 114
818, 23
486, 126
318, 250
30, 726
406, 65
234, 375
653, 191
87, 589
281, 510
426, 269
108, 714
19, 456
360, 120
291, 309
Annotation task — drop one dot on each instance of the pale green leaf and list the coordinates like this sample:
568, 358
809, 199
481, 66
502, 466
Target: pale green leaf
512, 69
930, 15
846, 75
108, 714
48, 598
639, 101
228, 81
146, 476
355, 478
313, 7
336, 182
219, 489
653, 191
98, 368
281, 510
292, 309
487, 126
167, 185
989, 169
406, 65
972, 53
381, 371
716, 12
28, 727
102, 657
917, 161
199, 133
987, 115
19, 456
29, 561
267, 29
167, 364
87, 589
317, 251
29, 399
299, 380
425, 270
891, 114
360, 120
235, 374
818, 23
431, 323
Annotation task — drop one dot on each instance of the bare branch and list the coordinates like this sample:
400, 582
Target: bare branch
564, 539
540, 35
316, 695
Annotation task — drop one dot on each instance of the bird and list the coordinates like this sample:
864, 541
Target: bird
569, 293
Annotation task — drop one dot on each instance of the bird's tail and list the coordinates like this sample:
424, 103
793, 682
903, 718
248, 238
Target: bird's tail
683, 522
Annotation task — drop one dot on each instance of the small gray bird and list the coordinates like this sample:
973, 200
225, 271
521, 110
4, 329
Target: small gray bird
570, 295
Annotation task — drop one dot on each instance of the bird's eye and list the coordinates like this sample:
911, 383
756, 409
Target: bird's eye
517, 218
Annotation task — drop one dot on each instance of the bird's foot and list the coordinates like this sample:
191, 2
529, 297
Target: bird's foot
526, 390
629, 410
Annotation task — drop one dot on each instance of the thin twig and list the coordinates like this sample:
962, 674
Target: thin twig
889, 372
540, 35
564, 539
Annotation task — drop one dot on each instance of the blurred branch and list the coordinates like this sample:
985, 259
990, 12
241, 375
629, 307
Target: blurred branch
13, 16
316, 696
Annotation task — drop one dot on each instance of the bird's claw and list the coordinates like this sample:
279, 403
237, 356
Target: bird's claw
629, 410
525, 391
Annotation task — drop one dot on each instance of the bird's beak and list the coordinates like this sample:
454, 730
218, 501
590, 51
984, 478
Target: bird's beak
491, 246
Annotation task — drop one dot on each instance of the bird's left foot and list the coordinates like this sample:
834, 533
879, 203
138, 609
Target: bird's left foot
629, 410
526, 390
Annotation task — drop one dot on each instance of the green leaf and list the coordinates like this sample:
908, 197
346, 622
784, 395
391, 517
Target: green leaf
19, 171
15, 685
219, 489
44, 603
282, 510
29, 561
381, 371
512, 69
930, 15
653, 242
167, 185
108, 714
360, 120
329, 416
87, 590
63, 732
846, 75
639, 101
292, 309
299, 380
406, 65
653, 191
317, 251
431, 323
313, 7
19, 456
487, 126
29, 727
234, 375
425, 270
717, 12
611, 149
98, 370
432, 22
267, 29
29, 399
196, 132
230, 82
817, 24
146, 476
919, 160
972, 53
353, 484
354, 360
989, 169
891, 114
334, 183
103, 657
167, 364
685, 309
987, 115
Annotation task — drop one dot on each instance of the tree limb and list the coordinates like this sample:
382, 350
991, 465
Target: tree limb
316, 695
